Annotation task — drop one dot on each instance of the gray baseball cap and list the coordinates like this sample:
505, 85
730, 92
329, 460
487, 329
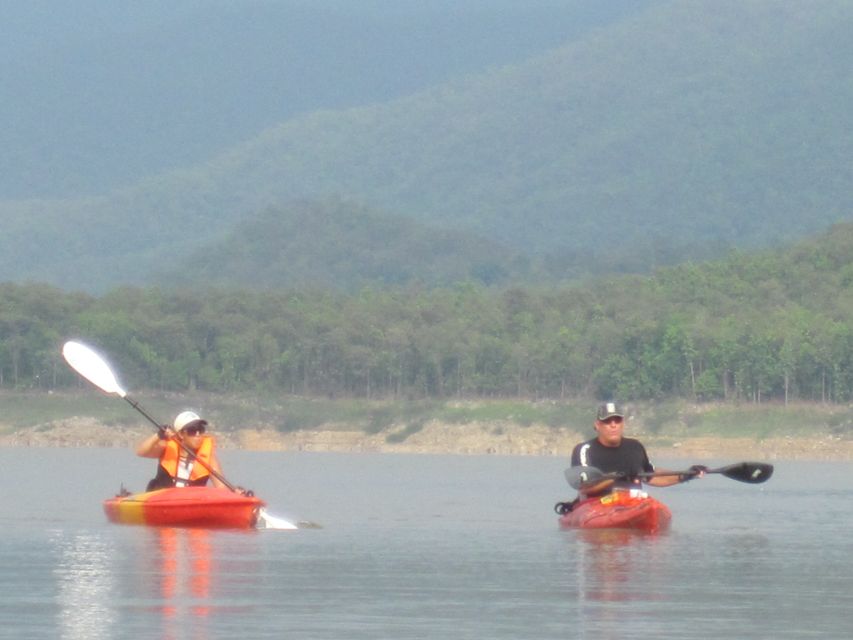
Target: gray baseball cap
609, 410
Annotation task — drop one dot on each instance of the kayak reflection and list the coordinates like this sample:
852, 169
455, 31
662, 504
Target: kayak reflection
187, 579
612, 564
185, 570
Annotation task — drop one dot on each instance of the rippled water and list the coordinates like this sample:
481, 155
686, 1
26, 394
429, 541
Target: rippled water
421, 547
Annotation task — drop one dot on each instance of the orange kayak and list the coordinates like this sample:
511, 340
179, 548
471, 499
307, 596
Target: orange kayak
619, 510
206, 507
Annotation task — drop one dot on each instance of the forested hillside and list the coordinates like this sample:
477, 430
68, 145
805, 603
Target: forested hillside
683, 130
342, 246
752, 327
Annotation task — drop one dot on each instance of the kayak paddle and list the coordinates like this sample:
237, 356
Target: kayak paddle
89, 364
749, 472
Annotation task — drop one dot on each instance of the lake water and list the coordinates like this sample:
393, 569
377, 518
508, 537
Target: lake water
421, 547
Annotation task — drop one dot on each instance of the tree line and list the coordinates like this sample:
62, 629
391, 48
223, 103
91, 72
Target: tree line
774, 326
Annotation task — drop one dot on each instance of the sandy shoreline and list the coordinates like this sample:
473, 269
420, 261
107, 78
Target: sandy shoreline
439, 438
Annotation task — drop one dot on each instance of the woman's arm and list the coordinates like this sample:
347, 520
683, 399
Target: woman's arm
151, 447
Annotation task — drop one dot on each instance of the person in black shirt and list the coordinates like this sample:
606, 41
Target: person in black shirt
611, 452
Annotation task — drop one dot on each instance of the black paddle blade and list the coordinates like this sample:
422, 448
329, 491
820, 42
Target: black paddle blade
579, 476
751, 472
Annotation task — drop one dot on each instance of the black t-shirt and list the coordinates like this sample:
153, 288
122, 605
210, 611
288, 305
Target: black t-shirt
629, 457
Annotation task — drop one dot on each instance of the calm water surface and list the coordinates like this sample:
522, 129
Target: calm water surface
421, 547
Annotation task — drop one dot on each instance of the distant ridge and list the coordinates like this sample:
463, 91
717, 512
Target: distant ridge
342, 246
689, 128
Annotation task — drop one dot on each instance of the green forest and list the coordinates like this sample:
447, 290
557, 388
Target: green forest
752, 327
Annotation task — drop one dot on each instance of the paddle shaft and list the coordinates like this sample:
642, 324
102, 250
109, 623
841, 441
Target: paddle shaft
750, 472
135, 405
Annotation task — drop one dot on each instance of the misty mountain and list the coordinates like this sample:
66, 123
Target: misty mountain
98, 94
672, 133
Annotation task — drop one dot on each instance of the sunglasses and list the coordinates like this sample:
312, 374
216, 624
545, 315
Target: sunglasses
194, 431
612, 420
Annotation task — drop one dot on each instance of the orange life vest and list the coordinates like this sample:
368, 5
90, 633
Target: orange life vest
172, 454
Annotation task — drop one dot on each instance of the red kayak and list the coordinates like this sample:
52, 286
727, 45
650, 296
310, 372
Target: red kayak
206, 507
619, 510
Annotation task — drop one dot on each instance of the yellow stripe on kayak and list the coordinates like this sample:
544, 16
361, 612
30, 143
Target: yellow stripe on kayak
131, 510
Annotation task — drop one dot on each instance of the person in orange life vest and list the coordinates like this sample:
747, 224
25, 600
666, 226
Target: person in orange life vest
176, 468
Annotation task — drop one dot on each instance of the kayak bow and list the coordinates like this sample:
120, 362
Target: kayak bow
619, 510
207, 507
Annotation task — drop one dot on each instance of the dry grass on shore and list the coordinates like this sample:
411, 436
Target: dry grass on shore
442, 438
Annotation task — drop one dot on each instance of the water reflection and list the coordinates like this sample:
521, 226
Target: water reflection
608, 563
618, 573
185, 571
84, 584
188, 572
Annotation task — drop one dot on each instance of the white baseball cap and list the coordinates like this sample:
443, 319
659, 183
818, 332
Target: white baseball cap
186, 418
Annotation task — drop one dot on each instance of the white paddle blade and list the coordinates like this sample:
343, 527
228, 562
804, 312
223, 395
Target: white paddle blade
268, 521
91, 366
